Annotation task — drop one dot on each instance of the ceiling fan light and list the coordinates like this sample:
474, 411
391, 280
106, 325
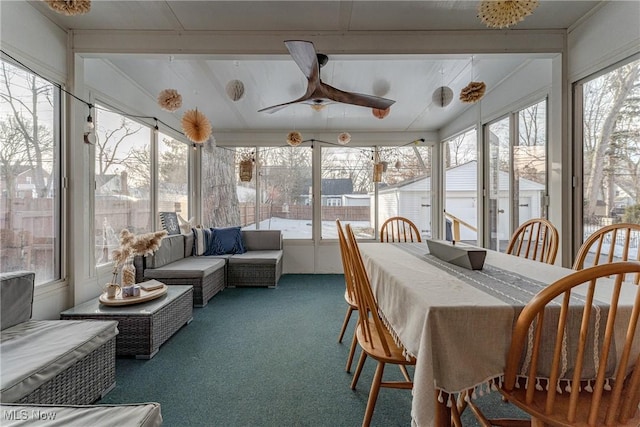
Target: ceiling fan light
169, 100
505, 13
294, 138
442, 96
381, 114
70, 7
235, 90
344, 138
196, 126
473, 92
318, 107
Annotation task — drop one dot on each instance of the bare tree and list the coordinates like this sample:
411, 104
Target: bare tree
24, 94
604, 99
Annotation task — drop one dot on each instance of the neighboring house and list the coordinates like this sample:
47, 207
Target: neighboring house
412, 199
24, 182
333, 192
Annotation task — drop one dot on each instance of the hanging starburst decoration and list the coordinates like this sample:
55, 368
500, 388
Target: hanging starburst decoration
70, 7
294, 138
196, 126
505, 13
169, 100
473, 92
344, 138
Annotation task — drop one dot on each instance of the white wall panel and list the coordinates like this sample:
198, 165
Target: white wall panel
39, 43
606, 37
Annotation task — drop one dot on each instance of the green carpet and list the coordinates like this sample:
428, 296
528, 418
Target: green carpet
264, 357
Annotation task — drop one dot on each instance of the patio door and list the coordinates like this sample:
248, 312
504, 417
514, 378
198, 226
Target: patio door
516, 172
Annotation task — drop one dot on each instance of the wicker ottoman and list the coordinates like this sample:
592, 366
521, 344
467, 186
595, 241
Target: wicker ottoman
143, 327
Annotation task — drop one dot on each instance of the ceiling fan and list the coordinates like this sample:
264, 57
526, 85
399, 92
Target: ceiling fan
319, 93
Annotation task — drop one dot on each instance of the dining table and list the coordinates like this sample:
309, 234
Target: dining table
455, 321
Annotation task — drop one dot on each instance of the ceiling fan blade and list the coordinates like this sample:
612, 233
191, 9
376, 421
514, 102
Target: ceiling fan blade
353, 98
304, 54
275, 108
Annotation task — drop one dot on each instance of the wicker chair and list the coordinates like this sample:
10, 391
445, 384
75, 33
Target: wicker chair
349, 294
399, 229
535, 239
374, 338
595, 402
600, 247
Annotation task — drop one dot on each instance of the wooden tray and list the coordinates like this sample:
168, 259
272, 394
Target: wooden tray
143, 297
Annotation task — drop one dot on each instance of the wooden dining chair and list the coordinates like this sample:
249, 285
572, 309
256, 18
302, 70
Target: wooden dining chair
610, 397
349, 293
372, 335
399, 229
535, 239
608, 244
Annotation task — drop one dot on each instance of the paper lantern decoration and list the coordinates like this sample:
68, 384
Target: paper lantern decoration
196, 126
235, 90
344, 138
169, 100
70, 7
442, 96
503, 14
381, 114
294, 138
473, 92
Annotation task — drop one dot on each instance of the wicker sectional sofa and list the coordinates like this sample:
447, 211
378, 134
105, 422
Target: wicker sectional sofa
51, 361
174, 263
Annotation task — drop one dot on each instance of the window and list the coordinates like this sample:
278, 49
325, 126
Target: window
173, 176
517, 171
610, 125
123, 180
461, 187
30, 165
346, 189
284, 196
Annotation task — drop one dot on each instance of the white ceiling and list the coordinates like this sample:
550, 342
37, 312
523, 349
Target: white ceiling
275, 78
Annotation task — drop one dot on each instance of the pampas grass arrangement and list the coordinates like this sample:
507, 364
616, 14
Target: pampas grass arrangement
130, 246
196, 126
70, 7
169, 100
473, 92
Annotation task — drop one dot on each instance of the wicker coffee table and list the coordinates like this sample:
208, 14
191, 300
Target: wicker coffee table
143, 327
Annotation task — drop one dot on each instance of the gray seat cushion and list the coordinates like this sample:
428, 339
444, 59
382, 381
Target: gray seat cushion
186, 268
256, 257
16, 297
35, 351
127, 415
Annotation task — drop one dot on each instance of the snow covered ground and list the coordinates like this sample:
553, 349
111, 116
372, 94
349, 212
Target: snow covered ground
302, 229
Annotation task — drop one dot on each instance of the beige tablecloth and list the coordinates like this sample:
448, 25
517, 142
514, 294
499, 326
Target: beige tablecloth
458, 333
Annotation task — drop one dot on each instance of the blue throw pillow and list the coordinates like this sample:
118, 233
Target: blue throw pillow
226, 241
202, 241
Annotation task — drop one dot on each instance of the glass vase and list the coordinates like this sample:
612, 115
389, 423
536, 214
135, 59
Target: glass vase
128, 273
